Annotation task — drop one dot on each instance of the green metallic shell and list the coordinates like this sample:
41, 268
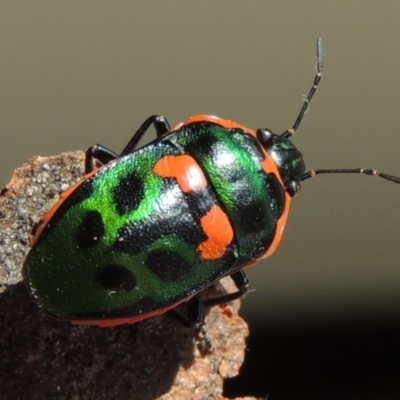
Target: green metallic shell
125, 242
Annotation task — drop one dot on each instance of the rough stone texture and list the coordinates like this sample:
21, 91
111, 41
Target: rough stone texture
42, 358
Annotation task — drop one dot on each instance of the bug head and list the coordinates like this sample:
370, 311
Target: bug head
287, 158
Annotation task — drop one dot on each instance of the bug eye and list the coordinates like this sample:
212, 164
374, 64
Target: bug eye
264, 136
293, 188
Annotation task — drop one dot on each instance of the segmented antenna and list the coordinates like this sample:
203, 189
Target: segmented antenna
372, 172
315, 172
314, 87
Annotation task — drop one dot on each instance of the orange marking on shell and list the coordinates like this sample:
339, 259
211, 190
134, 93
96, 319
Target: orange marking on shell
184, 169
218, 228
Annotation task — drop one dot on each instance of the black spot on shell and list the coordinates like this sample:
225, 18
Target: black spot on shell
91, 229
178, 215
129, 193
117, 277
168, 265
276, 194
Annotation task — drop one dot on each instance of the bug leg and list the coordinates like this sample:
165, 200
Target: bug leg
104, 155
241, 282
195, 313
194, 318
99, 153
161, 126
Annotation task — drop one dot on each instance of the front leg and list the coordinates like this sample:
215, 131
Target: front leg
100, 153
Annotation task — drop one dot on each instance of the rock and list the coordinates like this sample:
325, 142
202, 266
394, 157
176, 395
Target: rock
42, 358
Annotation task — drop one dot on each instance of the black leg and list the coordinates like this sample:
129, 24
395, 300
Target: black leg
160, 124
242, 283
195, 313
100, 153
104, 155
194, 318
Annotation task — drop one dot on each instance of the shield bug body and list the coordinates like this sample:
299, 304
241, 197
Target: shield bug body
155, 225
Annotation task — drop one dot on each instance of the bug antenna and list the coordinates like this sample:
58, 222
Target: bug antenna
372, 172
314, 87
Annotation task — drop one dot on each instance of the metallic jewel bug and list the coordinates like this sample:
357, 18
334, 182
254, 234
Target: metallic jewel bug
155, 225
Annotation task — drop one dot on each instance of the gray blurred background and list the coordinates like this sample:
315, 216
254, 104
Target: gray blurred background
74, 73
